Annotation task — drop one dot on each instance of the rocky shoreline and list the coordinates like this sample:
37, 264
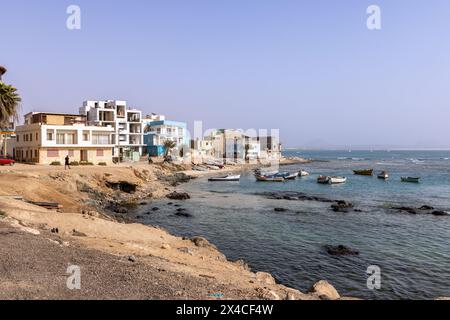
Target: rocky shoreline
95, 220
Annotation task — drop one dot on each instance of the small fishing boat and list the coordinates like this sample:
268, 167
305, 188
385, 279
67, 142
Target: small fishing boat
212, 167
383, 175
323, 179
410, 179
364, 172
337, 180
262, 172
226, 178
269, 178
287, 175
303, 173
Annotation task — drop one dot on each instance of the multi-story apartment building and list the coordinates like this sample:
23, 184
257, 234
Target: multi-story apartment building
128, 138
50, 137
158, 130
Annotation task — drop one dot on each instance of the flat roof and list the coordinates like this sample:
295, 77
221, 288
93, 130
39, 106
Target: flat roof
56, 114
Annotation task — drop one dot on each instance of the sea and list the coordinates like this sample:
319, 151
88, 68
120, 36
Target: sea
410, 251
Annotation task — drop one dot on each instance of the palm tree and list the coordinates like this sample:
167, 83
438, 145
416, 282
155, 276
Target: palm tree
168, 146
9, 101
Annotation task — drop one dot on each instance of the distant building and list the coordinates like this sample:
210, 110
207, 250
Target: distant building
6, 134
231, 145
128, 138
158, 130
50, 137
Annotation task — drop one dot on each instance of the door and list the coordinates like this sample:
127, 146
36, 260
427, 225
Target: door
84, 155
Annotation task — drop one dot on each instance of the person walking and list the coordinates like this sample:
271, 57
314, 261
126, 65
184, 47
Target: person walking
67, 163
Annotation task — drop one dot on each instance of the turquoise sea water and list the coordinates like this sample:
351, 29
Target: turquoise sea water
413, 251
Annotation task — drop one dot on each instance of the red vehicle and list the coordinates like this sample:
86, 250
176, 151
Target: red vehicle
6, 161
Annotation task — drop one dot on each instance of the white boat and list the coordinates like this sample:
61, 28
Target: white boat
337, 180
383, 175
227, 178
287, 175
212, 167
303, 173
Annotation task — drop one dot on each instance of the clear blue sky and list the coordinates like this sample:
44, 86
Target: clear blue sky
310, 68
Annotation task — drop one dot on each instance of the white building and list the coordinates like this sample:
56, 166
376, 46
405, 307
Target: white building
46, 138
127, 123
158, 130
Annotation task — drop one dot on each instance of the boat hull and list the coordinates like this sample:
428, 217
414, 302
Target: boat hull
410, 179
337, 180
225, 179
366, 172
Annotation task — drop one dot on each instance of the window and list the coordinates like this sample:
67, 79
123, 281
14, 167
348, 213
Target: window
100, 153
85, 135
31, 137
71, 138
18, 138
51, 153
100, 139
35, 153
50, 135
37, 136
60, 138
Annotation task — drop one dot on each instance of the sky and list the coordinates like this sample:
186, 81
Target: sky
311, 69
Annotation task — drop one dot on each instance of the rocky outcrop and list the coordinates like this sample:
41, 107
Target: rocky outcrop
342, 206
425, 209
202, 242
324, 291
178, 196
265, 278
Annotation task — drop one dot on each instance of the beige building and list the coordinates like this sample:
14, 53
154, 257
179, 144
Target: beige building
50, 137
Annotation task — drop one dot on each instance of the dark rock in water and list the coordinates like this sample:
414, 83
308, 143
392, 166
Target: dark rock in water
155, 209
340, 250
178, 196
406, 209
181, 212
169, 203
76, 233
292, 196
280, 210
132, 258
143, 203
177, 205
149, 213
342, 206
425, 207
440, 213
357, 210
